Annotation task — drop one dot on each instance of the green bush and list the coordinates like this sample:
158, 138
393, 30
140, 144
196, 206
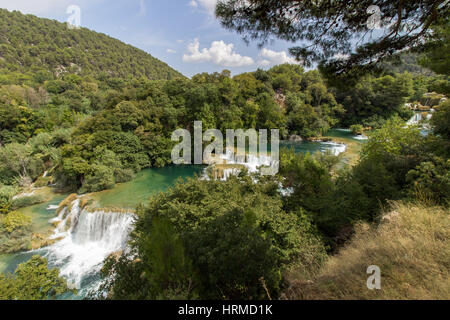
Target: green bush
357, 129
102, 178
441, 120
6, 195
32, 280
15, 220
430, 181
214, 240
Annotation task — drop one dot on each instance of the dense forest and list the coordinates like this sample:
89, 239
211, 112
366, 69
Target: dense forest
90, 112
33, 45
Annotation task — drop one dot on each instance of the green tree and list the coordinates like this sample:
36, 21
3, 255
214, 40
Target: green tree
328, 29
32, 280
234, 234
6, 195
430, 181
441, 120
437, 56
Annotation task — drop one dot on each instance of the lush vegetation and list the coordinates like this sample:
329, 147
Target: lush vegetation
35, 47
214, 240
238, 239
32, 280
15, 232
81, 121
340, 36
91, 129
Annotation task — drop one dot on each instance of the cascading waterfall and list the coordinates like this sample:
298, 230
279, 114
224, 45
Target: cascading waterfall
254, 163
335, 148
415, 119
87, 239
251, 162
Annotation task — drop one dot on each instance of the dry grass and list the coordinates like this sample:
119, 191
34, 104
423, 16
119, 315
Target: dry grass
412, 248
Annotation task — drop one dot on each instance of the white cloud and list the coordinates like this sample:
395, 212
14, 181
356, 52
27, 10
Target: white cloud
170, 51
208, 5
273, 58
219, 53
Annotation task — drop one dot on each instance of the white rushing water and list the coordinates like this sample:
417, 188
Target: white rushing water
87, 239
335, 148
251, 162
415, 119
254, 163
361, 137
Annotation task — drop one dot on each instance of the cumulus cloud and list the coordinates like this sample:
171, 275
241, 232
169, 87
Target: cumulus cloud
271, 57
219, 53
208, 5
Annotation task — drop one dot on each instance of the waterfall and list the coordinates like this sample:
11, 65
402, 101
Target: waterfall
87, 239
335, 148
415, 119
253, 163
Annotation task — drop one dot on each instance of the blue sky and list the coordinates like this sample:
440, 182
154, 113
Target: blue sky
182, 33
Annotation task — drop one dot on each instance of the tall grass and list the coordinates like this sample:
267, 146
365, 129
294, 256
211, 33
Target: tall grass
412, 248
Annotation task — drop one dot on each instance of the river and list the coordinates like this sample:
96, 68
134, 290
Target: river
89, 237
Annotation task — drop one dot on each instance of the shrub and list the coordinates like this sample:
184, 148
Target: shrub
6, 195
102, 178
357, 129
223, 240
441, 120
430, 181
32, 280
15, 220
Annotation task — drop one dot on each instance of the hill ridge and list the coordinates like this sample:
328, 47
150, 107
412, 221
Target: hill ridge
28, 42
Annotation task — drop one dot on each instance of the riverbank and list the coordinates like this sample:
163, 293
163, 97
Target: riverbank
90, 233
353, 143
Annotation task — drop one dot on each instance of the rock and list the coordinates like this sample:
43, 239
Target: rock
295, 138
39, 241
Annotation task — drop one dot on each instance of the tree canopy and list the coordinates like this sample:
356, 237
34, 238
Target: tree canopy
340, 35
30, 43
32, 280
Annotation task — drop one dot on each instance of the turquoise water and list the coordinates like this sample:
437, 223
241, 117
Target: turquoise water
342, 133
305, 147
126, 195
146, 183
129, 195
40, 213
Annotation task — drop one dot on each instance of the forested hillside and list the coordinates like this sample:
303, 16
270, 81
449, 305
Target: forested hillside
81, 112
29, 43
